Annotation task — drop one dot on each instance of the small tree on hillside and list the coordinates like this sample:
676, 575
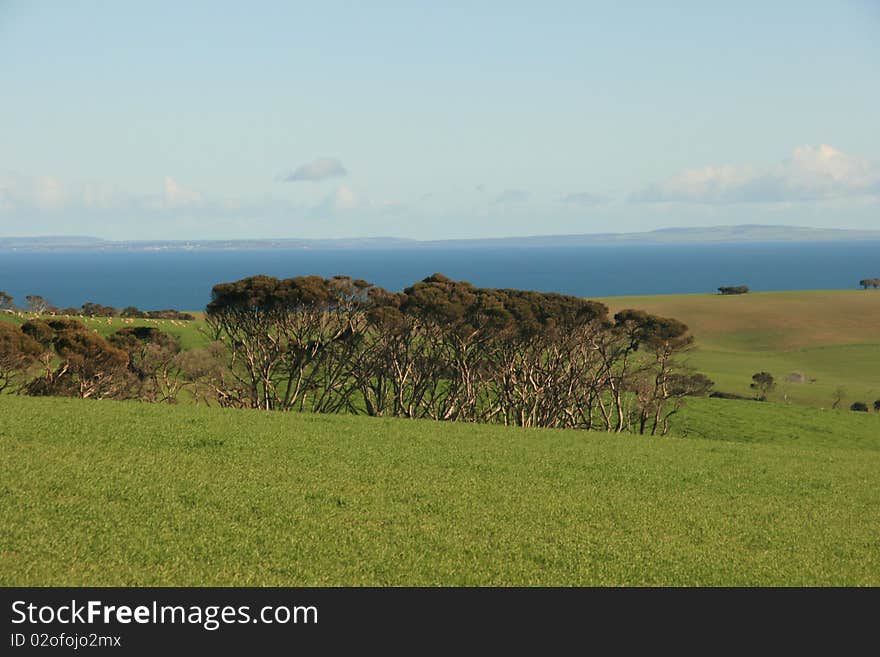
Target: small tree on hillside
37, 304
860, 407
6, 302
763, 383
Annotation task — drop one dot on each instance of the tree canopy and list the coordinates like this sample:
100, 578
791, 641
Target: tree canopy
447, 350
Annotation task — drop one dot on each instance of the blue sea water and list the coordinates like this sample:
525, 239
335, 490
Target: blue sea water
183, 279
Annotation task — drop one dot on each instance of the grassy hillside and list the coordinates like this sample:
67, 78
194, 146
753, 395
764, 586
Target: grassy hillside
110, 493
831, 337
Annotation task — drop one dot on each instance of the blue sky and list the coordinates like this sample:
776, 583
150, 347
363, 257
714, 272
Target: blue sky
167, 120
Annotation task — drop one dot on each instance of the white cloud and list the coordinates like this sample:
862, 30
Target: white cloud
342, 199
810, 174
47, 194
320, 169
345, 199
50, 194
176, 195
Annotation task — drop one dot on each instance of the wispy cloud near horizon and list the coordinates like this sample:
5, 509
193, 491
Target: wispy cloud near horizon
809, 174
317, 170
49, 194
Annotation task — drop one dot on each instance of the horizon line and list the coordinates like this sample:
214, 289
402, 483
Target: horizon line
656, 231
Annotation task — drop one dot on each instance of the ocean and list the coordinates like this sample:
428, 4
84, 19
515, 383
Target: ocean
183, 279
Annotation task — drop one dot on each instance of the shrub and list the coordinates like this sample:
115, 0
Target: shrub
18, 353
734, 289
718, 394
763, 382
86, 365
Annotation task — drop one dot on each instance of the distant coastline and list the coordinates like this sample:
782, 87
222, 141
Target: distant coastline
716, 234
176, 278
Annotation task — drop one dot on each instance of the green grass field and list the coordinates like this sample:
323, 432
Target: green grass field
125, 493
831, 337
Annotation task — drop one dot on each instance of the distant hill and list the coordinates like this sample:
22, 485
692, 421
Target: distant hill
716, 234
745, 233
51, 242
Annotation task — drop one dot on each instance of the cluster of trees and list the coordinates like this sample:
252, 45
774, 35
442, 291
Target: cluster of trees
41, 306
763, 383
733, 289
445, 350
35, 303
62, 357
870, 282
89, 309
441, 349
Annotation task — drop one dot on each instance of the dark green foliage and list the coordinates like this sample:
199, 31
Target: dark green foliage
734, 289
19, 352
446, 350
763, 382
85, 364
90, 309
153, 361
40, 331
717, 394
441, 349
860, 407
41, 306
